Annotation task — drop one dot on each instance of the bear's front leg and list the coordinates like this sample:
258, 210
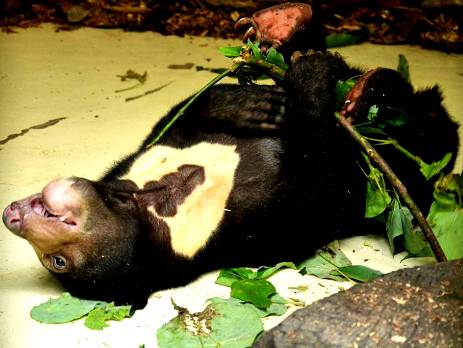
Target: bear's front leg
310, 85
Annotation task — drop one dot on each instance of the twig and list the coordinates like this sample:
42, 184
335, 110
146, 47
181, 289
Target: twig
397, 184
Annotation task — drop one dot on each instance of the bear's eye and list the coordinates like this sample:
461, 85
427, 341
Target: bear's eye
59, 262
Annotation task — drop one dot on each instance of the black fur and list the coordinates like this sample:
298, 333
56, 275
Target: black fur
297, 187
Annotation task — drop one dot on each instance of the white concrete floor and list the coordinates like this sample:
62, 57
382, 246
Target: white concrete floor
47, 75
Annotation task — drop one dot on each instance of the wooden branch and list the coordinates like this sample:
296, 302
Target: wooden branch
396, 183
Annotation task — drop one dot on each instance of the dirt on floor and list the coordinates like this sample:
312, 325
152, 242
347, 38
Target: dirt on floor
429, 23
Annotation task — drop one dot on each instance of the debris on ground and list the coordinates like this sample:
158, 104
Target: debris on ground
430, 23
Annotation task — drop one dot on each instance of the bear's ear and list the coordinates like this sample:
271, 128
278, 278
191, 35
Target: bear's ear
428, 105
118, 193
171, 191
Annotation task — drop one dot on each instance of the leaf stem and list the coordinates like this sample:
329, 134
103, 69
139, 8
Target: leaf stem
407, 153
396, 183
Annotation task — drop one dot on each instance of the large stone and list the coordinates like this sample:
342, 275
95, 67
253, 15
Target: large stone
415, 307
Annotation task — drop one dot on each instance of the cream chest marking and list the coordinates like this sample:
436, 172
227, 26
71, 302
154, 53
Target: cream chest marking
201, 212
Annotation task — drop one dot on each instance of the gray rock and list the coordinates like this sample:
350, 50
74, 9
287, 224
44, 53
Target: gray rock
415, 307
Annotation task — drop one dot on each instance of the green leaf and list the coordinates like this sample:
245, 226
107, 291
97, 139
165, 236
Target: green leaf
370, 130
430, 170
277, 306
360, 273
255, 50
372, 113
223, 324
98, 317
399, 222
331, 263
266, 272
403, 68
448, 228
344, 39
230, 51
255, 291
62, 309
276, 58
377, 197
416, 243
396, 117
325, 261
446, 215
342, 89
377, 200
228, 276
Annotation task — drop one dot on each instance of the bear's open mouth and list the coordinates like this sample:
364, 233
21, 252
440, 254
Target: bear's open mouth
41, 209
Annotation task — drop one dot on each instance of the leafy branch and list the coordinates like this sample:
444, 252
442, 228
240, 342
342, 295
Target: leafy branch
248, 55
396, 183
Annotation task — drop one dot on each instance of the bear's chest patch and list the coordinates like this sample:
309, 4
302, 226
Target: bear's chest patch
187, 189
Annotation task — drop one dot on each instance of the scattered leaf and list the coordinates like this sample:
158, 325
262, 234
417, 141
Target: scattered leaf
360, 273
222, 324
63, 309
228, 276
255, 291
325, 261
68, 308
266, 272
277, 306
98, 317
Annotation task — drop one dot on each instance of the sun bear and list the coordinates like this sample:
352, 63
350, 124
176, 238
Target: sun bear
250, 175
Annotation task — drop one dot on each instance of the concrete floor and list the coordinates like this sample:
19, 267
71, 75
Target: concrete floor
70, 77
